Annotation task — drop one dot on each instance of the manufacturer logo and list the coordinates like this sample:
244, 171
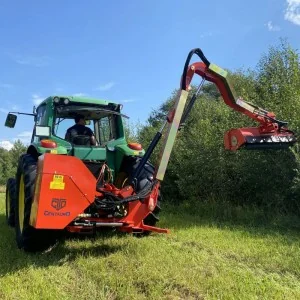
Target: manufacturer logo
58, 204
56, 214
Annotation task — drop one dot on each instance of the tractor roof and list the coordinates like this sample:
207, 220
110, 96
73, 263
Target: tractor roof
85, 100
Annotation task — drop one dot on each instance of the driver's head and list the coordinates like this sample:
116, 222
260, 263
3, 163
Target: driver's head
79, 119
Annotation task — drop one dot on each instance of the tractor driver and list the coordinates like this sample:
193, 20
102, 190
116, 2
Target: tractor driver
79, 129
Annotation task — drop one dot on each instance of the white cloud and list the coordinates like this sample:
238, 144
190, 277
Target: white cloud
272, 27
25, 134
24, 137
35, 61
6, 85
6, 145
3, 110
206, 34
12, 107
59, 89
105, 87
36, 99
80, 95
292, 12
127, 100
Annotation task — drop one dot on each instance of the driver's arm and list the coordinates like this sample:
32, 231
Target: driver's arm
68, 136
93, 140
92, 137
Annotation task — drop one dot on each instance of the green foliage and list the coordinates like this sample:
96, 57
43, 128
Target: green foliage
131, 131
9, 161
200, 168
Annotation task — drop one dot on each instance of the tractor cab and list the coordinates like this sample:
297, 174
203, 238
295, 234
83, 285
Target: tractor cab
103, 119
101, 122
102, 126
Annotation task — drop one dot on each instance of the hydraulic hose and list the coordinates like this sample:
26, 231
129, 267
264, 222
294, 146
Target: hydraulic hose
199, 52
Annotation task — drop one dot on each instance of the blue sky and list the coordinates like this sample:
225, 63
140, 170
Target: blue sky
128, 51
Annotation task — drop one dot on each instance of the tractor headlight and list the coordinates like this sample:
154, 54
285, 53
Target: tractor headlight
66, 101
56, 99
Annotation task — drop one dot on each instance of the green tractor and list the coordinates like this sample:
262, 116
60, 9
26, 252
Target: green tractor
102, 155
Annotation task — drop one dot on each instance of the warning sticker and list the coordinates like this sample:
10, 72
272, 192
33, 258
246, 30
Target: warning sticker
57, 183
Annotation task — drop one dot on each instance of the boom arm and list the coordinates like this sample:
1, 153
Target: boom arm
271, 133
218, 76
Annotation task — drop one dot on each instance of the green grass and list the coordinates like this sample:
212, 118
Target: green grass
206, 256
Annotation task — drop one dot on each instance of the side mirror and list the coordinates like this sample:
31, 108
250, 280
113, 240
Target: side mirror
87, 122
11, 120
43, 131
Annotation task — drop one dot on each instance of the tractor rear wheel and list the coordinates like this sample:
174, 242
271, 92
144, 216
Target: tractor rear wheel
28, 238
10, 201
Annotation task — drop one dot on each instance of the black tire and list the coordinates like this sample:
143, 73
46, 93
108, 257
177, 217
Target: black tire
10, 201
28, 238
126, 173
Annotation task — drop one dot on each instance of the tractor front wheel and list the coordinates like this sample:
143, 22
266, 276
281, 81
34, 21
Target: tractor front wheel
28, 238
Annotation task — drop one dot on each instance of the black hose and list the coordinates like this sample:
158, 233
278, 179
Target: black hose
146, 156
112, 201
199, 52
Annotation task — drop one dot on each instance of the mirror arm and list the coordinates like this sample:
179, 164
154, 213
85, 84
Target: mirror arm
20, 113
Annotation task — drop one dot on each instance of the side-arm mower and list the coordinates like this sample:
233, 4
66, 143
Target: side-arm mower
271, 133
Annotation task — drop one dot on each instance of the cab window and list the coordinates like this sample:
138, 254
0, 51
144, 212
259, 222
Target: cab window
107, 129
41, 116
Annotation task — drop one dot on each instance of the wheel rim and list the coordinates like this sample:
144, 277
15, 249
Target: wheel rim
21, 203
7, 204
121, 179
125, 181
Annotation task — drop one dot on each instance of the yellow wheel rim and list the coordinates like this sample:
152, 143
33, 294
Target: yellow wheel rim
121, 179
21, 203
125, 181
8, 203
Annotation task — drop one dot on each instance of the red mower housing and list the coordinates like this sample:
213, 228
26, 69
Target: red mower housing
65, 188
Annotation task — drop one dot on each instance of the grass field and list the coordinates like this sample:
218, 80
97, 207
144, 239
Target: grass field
234, 255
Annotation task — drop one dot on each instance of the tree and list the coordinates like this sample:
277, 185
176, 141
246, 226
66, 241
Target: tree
9, 161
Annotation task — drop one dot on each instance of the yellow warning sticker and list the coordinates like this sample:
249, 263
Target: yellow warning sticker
57, 183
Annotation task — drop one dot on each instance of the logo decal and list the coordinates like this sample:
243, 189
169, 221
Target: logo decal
58, 204
56, 214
